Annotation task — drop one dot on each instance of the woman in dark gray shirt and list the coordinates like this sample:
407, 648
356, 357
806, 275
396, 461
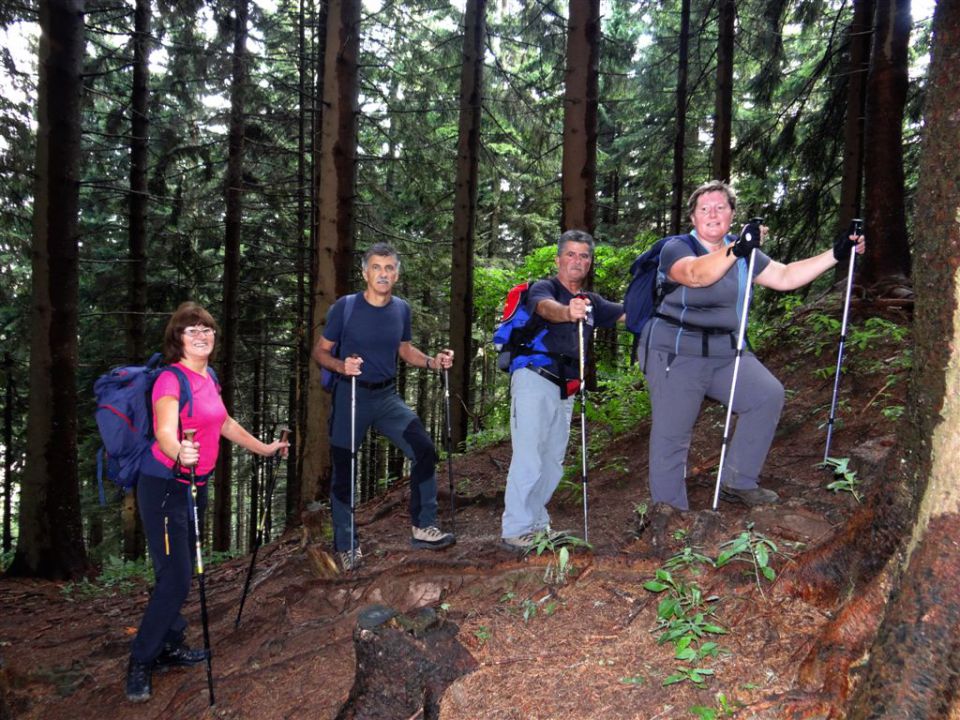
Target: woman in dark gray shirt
688, 349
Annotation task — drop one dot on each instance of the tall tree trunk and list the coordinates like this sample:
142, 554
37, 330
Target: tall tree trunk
465, 217
133, 539
8, 453
680, 128
888, 262
580, 102
912, 670
300, 353
335, 198
851, 188
851, 183
222, 516
723, 119
50, 544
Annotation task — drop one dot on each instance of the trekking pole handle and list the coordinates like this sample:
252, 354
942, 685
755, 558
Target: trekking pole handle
284, 434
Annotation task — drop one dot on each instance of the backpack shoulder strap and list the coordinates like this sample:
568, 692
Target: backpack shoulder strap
186, 394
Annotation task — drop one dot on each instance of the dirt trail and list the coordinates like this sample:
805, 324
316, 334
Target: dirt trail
581, 649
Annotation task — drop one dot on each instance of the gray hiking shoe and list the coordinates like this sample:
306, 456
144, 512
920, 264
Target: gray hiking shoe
520, 543
348, 561
431, 538
749, 496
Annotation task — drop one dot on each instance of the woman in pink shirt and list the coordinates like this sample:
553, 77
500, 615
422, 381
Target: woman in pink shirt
164, 484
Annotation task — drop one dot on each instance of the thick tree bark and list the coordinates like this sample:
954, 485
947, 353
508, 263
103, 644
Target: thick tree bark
465, 217
50, 544
133, 539
912, 669
333, 261
723, 109
230, 322
680, 127
580, 104
888, 262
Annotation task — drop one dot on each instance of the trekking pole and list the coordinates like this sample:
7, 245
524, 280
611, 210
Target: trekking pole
741, 337
353, 468
453, 497
583, 422
268, 495
192, 500
856, 229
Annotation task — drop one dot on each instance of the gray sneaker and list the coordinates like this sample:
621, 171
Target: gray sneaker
348, 561
431, 538
749, 496
520, 543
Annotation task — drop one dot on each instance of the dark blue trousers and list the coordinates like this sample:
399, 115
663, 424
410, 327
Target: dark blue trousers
168, 525
385, 411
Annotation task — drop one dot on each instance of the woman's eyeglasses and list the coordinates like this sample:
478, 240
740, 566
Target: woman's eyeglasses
199, 331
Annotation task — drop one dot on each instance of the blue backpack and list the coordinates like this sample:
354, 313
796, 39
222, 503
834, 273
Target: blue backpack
328, 378
124, 416
518, 337
645, 291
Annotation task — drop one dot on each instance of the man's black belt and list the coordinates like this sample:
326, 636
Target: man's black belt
376, 385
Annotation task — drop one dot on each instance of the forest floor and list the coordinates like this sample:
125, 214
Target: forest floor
583, 648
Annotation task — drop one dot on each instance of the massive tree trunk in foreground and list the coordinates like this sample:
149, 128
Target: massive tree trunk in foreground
894, 567
50, 544
338, 152
912, 670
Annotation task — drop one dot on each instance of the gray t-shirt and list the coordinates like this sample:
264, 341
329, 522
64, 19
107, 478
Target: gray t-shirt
687, 310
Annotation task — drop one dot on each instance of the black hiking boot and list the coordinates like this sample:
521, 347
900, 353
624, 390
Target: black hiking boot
139, 681
178, 655
749, 496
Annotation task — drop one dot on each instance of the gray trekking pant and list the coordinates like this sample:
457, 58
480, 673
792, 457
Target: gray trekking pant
539, 430
678, 384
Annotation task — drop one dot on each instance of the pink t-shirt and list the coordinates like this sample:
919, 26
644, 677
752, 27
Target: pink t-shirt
209, 414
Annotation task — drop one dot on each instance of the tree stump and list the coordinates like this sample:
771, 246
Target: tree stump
404, 665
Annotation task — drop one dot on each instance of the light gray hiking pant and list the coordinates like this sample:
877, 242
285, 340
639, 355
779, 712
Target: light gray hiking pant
678, 384
539, 430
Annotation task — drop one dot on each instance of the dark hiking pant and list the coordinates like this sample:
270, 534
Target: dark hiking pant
389, 415
164, 510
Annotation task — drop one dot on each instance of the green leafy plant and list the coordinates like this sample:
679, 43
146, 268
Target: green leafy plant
482, 634
560, 567
893, 412
752, 547
724, 709
684, 619
687, 557
846, 478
